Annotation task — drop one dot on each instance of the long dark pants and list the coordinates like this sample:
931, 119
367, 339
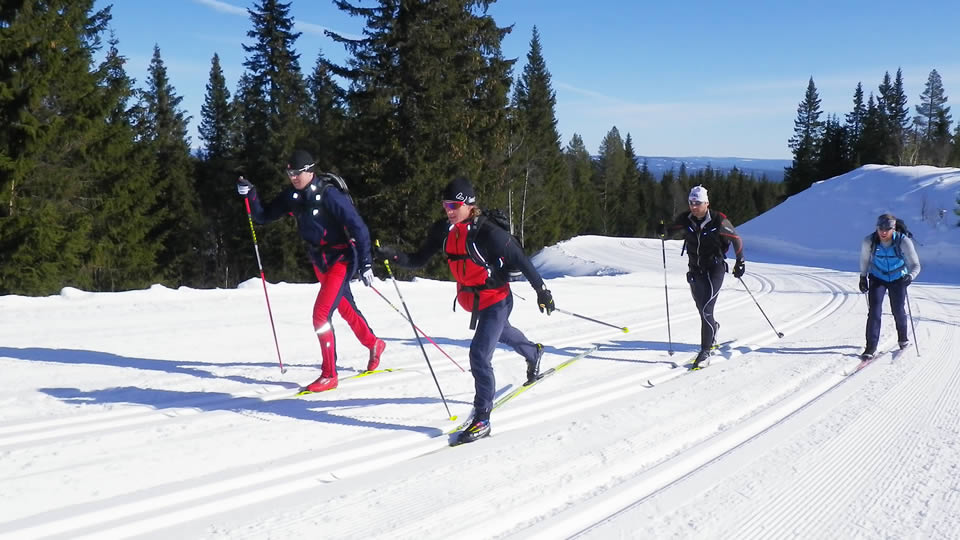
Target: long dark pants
493, 327
898, 295
705, 287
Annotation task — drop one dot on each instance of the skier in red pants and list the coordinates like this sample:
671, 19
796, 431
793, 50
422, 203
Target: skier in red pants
339, 247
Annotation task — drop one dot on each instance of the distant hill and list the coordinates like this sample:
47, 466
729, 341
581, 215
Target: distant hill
773, 168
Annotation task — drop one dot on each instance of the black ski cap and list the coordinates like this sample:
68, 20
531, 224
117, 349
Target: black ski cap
460, 189
300, 160
886, 222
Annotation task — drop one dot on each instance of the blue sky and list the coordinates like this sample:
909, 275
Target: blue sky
693, 78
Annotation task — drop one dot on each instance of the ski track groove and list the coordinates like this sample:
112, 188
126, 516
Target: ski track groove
823, 496
304, 474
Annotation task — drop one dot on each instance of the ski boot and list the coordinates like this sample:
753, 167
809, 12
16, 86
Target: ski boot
533, 368
375, 353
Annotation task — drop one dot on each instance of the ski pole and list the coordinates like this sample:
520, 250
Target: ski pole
416, 335
666, 295
623, 329
912, 326
263, 280
779, 334
385, 299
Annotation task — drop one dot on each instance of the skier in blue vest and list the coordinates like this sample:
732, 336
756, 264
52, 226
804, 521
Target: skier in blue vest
888, 263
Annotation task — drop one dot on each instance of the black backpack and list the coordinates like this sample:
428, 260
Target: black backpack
901, 228
498, 217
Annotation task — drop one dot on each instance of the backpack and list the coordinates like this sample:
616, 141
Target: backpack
498, 217
901, 228
320, 185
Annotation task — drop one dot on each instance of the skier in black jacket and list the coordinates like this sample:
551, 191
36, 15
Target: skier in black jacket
339, 248
707, 235
478, 253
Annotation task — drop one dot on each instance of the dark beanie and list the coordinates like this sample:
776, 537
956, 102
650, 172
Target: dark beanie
299, 160
459, 189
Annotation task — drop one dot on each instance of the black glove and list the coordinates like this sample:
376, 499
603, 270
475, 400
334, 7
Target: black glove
366, 274
907, 280
661, 230
545, 301
863, 284
386, 252
244, 187
739, 268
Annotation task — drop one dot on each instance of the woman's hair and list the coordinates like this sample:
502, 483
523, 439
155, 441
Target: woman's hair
475, 212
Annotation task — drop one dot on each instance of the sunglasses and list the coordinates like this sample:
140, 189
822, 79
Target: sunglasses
452, 205
694, 203
885, 228
294, 172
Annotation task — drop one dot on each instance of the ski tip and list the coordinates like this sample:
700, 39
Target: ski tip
649, 384
673, 365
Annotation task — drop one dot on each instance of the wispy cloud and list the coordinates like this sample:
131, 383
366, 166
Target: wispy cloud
223, 7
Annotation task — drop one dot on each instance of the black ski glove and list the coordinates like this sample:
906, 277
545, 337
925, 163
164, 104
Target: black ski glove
366, 274
739, 268
863, 284
907, 280
386, 252
545, 301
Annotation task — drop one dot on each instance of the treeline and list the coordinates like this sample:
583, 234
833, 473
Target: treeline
99, 188
879, 130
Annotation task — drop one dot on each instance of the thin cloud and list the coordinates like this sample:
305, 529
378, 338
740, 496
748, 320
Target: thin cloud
223, 7
319, 30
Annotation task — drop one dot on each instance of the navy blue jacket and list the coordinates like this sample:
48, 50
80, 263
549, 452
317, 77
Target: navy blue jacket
326, 219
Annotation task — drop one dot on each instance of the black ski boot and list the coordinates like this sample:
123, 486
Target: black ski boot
533, 368
701, 356
478, 429
868, 353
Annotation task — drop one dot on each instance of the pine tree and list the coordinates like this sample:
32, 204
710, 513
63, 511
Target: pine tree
52, 107
873, 140
933, 121
832, 153
226, 249
179, 224
613, 167
633, 210
427, 97
325, 117
122, 253
580, 167
855, 120
270, 102
898, 115
538, 160
807, 131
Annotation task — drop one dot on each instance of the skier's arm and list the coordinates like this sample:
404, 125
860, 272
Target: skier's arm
866, 255
435, 237
730, 234
504, 247
910, 257
272, 211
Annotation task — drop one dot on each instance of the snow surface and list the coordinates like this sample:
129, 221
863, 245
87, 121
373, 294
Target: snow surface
162, 413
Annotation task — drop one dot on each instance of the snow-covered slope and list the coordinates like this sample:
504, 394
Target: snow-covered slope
162, 413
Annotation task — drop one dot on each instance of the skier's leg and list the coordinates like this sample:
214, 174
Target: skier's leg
898, 292
490, 323
331, 291
875, 293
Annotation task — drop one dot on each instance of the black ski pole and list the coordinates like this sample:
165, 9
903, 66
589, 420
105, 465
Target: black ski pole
623, 329
417, 328
666, 295
779, 334
416, 335
264, 281
912, 326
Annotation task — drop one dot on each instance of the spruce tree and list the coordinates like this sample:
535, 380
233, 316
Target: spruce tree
427, 97
226, 236
538, 160
832, 153
270, 103
807, 131
898, 115
933, 121
52, 108
580, 167
854, 124
613, 168
874, 139
325, 117
178, 224
633, 213
123, 256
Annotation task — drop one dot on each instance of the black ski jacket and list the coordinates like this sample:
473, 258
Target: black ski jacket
706, 241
